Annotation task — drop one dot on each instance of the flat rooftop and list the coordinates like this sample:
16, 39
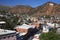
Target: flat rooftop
24, 26
3, 31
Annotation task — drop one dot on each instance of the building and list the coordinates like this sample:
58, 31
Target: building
36, 37
52, 25
36, 24
2, 23
23, 28
7, 35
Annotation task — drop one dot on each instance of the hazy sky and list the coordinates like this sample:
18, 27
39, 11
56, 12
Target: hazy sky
33, 3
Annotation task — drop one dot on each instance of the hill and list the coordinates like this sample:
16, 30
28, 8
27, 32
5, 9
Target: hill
48, 8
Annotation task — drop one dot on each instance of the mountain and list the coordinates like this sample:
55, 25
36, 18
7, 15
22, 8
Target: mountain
21, 9
4, 9
48, 8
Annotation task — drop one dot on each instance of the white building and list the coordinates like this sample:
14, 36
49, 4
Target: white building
2, 22
36, 37
52, 25
7, 35
23, 29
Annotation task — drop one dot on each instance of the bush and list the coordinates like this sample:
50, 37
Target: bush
10, 23
49, 36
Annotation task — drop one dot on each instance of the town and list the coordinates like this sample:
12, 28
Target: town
37, 24
27, 28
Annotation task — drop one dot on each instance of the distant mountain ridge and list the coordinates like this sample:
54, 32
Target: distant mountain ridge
48, 8
20, 9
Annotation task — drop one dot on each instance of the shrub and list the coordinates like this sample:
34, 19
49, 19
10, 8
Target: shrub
49, 36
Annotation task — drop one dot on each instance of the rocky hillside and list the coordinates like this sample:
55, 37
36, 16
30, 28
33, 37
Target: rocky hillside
4, 8
48, 8
21, 9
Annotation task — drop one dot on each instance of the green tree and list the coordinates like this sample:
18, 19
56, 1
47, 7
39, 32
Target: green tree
50, 36
10, 23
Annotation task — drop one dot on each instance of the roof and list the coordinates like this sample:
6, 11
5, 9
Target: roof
52, 24
3, 32
36, 36
22, 34
2, 22
24, 26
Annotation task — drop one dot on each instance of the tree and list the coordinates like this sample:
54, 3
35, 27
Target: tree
10, 23
50, 36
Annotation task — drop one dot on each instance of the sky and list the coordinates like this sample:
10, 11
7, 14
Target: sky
32, 3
